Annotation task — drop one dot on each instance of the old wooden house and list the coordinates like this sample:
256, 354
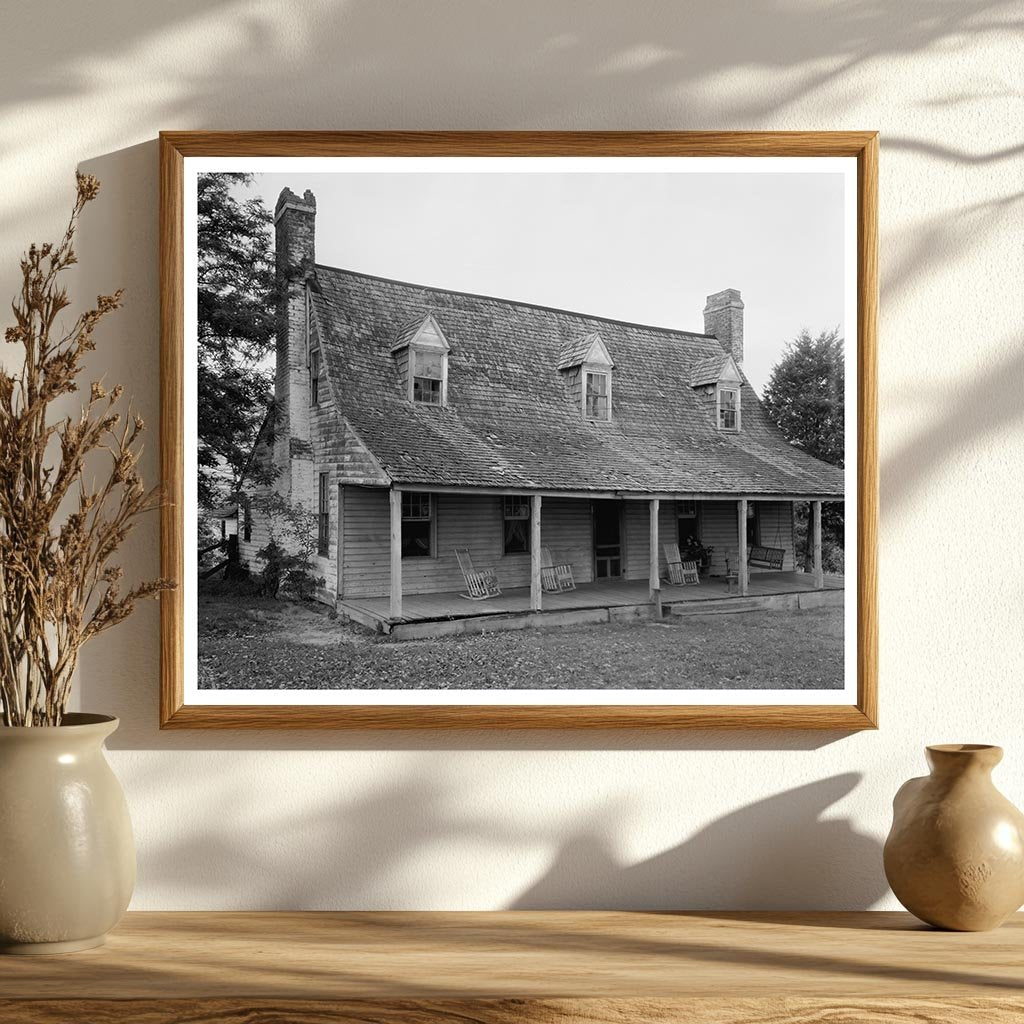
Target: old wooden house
416, 421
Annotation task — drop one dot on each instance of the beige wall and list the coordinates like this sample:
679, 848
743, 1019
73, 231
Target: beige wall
500, 819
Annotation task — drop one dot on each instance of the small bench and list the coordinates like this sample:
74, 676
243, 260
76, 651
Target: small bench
765, 558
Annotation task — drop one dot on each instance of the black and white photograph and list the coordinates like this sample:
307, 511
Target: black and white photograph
529, 430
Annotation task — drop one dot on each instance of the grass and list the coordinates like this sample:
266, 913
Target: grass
255, 643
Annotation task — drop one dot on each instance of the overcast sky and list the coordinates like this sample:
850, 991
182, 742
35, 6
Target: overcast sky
647, 248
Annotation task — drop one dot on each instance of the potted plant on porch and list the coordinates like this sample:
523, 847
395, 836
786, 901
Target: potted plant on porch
694, 551
67, 861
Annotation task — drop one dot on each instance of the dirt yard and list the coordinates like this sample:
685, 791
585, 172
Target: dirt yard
251, 643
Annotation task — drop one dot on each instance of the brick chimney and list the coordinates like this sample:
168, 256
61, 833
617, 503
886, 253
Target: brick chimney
295, 228
723, 317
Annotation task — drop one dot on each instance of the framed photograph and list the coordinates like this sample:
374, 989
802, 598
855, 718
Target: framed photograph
519, 430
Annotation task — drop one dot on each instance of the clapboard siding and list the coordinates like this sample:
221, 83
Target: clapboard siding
366, 528
635, 540
566, 529
718, 530
358, 466
637, 537
463, 521
326, 566
459, 521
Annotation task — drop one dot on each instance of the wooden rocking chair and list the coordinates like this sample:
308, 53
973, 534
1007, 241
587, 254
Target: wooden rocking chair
480, 583
680, 573
555, 579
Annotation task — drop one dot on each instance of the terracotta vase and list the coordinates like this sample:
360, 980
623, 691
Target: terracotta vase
955, 854
67, 859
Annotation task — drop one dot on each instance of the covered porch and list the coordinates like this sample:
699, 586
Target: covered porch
646, 558
427, 615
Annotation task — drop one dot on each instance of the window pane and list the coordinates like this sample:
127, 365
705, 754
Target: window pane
314, 376
415, 505
517, 507
728, 405
429, 364
517, 524
597, 395
517, 536
416, 525
425, 389
416, 538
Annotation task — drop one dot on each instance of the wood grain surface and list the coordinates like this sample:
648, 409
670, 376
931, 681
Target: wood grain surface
526, 955
995, 1010
176, 146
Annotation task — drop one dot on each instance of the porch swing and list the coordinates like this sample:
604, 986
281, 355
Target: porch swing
761, 556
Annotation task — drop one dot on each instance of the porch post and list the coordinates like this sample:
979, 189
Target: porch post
396, 553
742, 570
535, 588
655, 505
819, 572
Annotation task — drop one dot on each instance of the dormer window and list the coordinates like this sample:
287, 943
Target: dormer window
597, 394
719, 381
427, 376
421, 352
728, 408
587, 368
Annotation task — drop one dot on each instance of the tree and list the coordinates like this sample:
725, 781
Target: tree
236, 328
804, 397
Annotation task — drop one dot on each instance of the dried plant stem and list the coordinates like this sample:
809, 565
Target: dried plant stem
58, 586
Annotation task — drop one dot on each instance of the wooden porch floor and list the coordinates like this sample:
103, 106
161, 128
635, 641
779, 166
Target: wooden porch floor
602, 594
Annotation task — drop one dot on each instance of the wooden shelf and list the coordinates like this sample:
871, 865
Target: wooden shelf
501, 968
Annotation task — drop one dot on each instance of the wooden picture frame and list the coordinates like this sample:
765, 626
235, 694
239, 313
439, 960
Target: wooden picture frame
176, 147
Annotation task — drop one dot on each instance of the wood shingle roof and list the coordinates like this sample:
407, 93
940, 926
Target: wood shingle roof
511, 421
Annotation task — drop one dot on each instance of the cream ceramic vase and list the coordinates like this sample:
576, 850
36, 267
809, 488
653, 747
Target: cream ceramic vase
67, 859
955, 855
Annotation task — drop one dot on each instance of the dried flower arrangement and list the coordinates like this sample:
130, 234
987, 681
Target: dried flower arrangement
58, 586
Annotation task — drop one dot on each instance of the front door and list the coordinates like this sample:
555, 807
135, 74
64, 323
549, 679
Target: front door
607, 540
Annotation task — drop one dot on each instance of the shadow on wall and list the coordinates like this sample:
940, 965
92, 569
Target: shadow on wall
398, 846
776, 853
980, 408
345, 49
226, 65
